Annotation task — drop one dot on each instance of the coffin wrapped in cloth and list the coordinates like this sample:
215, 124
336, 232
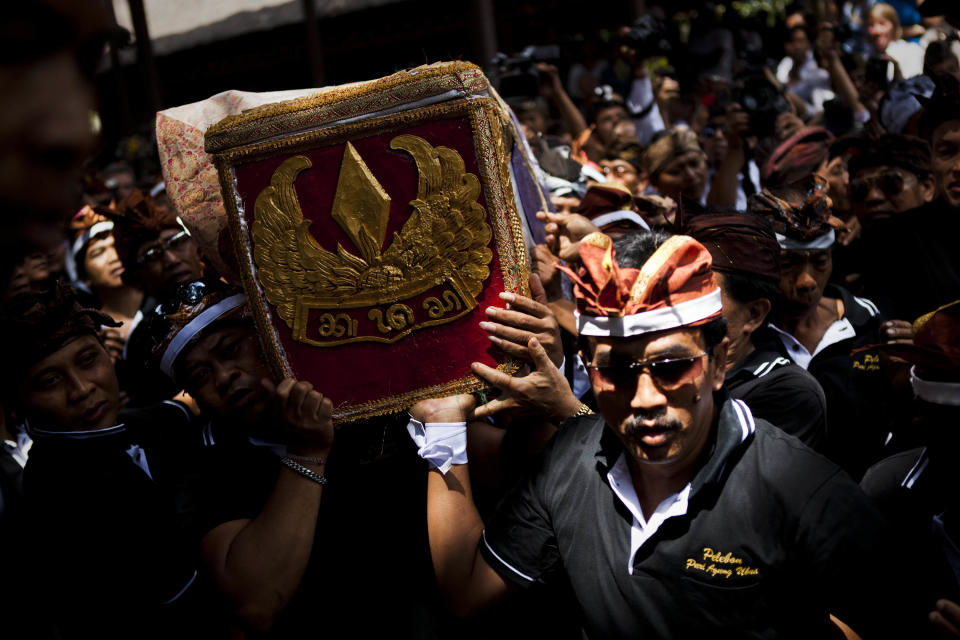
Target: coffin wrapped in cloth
372, 224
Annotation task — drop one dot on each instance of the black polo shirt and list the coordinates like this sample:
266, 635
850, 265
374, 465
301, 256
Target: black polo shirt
774, 537
916, 491
861, 409
104, 515
781, 393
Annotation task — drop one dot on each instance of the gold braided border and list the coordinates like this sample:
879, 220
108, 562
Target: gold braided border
492, 153
319, 109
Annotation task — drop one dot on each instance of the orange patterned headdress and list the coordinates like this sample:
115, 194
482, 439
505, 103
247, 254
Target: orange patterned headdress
675, 287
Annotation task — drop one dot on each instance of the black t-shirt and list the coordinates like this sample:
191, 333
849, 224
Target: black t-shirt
909, 263
370, 573
103, 510
781, 393
774, 537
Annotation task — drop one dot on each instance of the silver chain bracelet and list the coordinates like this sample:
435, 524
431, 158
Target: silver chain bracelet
304, 471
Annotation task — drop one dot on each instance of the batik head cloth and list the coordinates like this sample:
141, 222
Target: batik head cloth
675, 287
801, 213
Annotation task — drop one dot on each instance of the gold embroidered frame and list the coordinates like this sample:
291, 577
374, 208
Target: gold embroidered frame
493, 152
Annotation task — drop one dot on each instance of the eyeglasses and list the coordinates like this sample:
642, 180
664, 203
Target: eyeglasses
618, 170
668, 373
890, 184
174, 243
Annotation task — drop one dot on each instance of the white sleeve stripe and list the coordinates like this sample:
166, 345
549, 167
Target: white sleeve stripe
186, 412
184, 589
868, 305
747, 425
502, 561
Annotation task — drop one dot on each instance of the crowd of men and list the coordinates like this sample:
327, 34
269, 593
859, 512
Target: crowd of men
736, 417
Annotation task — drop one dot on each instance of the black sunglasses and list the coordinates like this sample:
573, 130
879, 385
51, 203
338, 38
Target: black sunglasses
668, 373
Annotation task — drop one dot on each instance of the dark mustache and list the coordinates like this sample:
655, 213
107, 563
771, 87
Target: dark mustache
633, 424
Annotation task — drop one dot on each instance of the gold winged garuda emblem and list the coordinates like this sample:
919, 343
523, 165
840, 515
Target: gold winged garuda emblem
430, 273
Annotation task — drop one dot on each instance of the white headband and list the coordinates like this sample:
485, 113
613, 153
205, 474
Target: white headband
100, 227
680, 314
618, 216
820, 242
947, 393
195, 326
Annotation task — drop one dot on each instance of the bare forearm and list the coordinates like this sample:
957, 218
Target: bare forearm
455, 528
844, 86
265, 562
573, 120
723, 188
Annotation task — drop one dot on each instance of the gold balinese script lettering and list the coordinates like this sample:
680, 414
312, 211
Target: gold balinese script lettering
330, 325
398, 316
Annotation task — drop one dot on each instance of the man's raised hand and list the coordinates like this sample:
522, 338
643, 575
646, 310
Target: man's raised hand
305, 413
544, 391
511, 329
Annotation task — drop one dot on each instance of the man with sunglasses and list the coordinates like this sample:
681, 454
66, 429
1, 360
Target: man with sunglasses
673, 513
904, 255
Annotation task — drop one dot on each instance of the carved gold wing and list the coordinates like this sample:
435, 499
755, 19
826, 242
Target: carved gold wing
290, 262
447, 230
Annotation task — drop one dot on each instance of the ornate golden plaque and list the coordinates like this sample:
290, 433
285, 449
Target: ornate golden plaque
369, 247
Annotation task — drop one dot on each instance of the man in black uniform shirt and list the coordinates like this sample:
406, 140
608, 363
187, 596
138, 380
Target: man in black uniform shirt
101, 485
917, 489
819, 325
746, 260
674, 513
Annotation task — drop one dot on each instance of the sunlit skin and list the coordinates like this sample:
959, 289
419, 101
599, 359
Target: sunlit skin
742, 320
73, 389
565, 204
803, 277
102, 264
622, 173
656, 426
223, 370
834, 171
945, 144
880, 33
877, 205
175, 266
607, 121
685, 175
797, 47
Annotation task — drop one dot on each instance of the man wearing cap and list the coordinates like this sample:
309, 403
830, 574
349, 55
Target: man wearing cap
746, 262
674, 512
916, 489
101, 485
817, 324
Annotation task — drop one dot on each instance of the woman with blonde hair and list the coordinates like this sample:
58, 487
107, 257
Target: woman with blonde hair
886, 37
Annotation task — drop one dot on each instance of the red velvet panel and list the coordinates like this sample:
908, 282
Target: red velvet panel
360, 372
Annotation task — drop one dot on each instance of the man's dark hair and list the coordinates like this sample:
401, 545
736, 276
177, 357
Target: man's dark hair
745, 288
626, 149
634, 248
34, 325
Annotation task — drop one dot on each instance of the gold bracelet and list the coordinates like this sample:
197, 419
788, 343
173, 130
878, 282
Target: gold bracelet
584, 410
